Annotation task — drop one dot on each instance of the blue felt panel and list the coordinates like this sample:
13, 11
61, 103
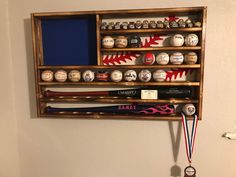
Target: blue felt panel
69, 41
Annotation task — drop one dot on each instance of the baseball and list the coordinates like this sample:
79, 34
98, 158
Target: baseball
189, 109
177, 58
177, 40
191, 40
47, 76
162, 58
102, 76
145, 75
190, 58
108, 42
159, 75
148, 58
74, 75
121, 42
130, 75
116, 76
61, 75
88, 76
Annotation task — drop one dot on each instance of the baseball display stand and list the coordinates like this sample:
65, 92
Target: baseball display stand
118, 63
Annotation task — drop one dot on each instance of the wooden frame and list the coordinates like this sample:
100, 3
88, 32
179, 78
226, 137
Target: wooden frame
39, 66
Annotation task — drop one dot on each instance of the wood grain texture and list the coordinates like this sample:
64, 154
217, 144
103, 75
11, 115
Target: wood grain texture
162, 31
151, 49
36, 63
113, 67
113, 116
114, 13
203, 41
99, 56
121, 83
91, 99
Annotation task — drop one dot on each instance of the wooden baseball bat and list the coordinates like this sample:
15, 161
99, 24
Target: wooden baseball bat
158, 109
119, 93
168, 92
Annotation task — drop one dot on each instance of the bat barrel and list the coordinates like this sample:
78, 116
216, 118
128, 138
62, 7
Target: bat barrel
159, 109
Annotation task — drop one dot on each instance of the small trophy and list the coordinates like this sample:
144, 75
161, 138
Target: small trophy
197, 24
131, 25
138, 24
145, 24
104, 26
189, 23
110, 25
174, 24
181, 23
124, 25
152, 24
117, 25
166, 24
160, 24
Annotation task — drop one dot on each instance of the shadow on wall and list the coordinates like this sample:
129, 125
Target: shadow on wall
175, 141
30, 67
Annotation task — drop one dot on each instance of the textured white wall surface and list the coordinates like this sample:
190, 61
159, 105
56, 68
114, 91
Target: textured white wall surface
9, 166
112, 148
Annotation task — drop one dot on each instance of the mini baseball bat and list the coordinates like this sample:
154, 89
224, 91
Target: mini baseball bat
159, 109
168, 92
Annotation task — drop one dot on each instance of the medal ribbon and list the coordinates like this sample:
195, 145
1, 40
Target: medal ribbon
189, 140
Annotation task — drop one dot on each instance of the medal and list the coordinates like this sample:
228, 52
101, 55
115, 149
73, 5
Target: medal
189, 171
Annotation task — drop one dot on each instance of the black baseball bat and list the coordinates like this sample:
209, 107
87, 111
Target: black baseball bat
158, 109
163, 92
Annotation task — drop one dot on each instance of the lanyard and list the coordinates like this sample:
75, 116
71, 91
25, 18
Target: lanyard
189, 139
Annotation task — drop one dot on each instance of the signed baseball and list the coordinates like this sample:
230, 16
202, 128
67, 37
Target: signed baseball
177, 58
121, 42
108, 42
61, 75
177, 40
116, 76
130, 75
47, 76
148, 58
88, 76
190, 58
162, 58
189, 109
74, 75
145, 75
191, 40
159, 75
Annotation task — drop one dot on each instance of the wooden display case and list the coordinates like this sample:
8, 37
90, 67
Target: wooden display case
72, 41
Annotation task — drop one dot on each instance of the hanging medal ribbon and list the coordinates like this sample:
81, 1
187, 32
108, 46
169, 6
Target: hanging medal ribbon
189, 140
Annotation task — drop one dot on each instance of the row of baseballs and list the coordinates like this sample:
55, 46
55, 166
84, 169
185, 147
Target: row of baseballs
116, 76
134, 41
175, 58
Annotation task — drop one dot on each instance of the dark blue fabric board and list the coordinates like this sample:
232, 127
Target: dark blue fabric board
69, 41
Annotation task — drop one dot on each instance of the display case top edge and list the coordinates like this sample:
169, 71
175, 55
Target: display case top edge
123, 11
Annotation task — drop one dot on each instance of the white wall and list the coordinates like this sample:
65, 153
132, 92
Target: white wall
105, 148
9, 161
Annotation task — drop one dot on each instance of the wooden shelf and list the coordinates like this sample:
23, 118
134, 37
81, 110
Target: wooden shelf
150, 49
173, 30
122, 83
111, 116
121, 67
114, 100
